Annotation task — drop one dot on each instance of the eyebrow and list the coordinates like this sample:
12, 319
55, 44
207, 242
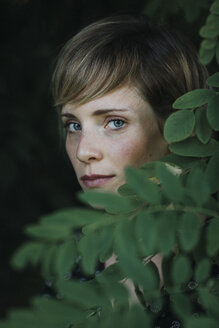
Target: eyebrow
97, 112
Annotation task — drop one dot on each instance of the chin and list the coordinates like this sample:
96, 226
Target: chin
104, 188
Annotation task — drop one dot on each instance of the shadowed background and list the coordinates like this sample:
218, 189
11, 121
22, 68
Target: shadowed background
36, 176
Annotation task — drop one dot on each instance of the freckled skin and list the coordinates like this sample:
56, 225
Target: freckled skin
100, 148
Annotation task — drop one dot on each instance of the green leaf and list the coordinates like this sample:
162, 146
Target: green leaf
212, 237
166, 228
126, 191
209, 31
84, 294
125, 238
194, 98
108, 220
52, 233
115, 319
117, 292
179, 125
72, 218
202, 270
59, 310
89, 249
194, 148
202, 127
108, 201
21, 315
28, 253
147, 190
48, 262
202, 322
171, 185
94, 245
199, 186
213, 80
105, 240
111, 273
125, 247
209, 44
110, 281
212, 19
213, 112
65, 258
179, 161
214, 9
206, 55
181, 305
209, 301
212, 173
5, 323
29, 318
181, 269
149, 169
146, 232
24, 318
214, 25
189, 231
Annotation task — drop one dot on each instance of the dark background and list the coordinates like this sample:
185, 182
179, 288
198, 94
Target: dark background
36, 176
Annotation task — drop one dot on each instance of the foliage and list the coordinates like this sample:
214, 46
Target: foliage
168, 207
210, 45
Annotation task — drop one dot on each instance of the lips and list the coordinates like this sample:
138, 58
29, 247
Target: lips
95, 180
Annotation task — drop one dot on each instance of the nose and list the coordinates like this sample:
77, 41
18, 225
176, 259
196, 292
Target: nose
89, 148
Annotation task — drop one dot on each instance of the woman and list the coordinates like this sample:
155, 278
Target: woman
114, 85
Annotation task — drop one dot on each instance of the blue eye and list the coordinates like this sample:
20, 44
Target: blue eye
73, 126
116, 124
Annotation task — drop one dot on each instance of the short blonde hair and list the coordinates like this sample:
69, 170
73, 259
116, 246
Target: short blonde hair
125, 49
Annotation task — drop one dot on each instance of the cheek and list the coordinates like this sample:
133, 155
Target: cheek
70, 148
138, 153
130, 151
135, 149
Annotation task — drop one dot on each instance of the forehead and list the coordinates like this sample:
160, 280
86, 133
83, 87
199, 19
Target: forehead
126, 97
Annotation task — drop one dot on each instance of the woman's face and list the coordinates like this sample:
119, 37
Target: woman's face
109, 133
